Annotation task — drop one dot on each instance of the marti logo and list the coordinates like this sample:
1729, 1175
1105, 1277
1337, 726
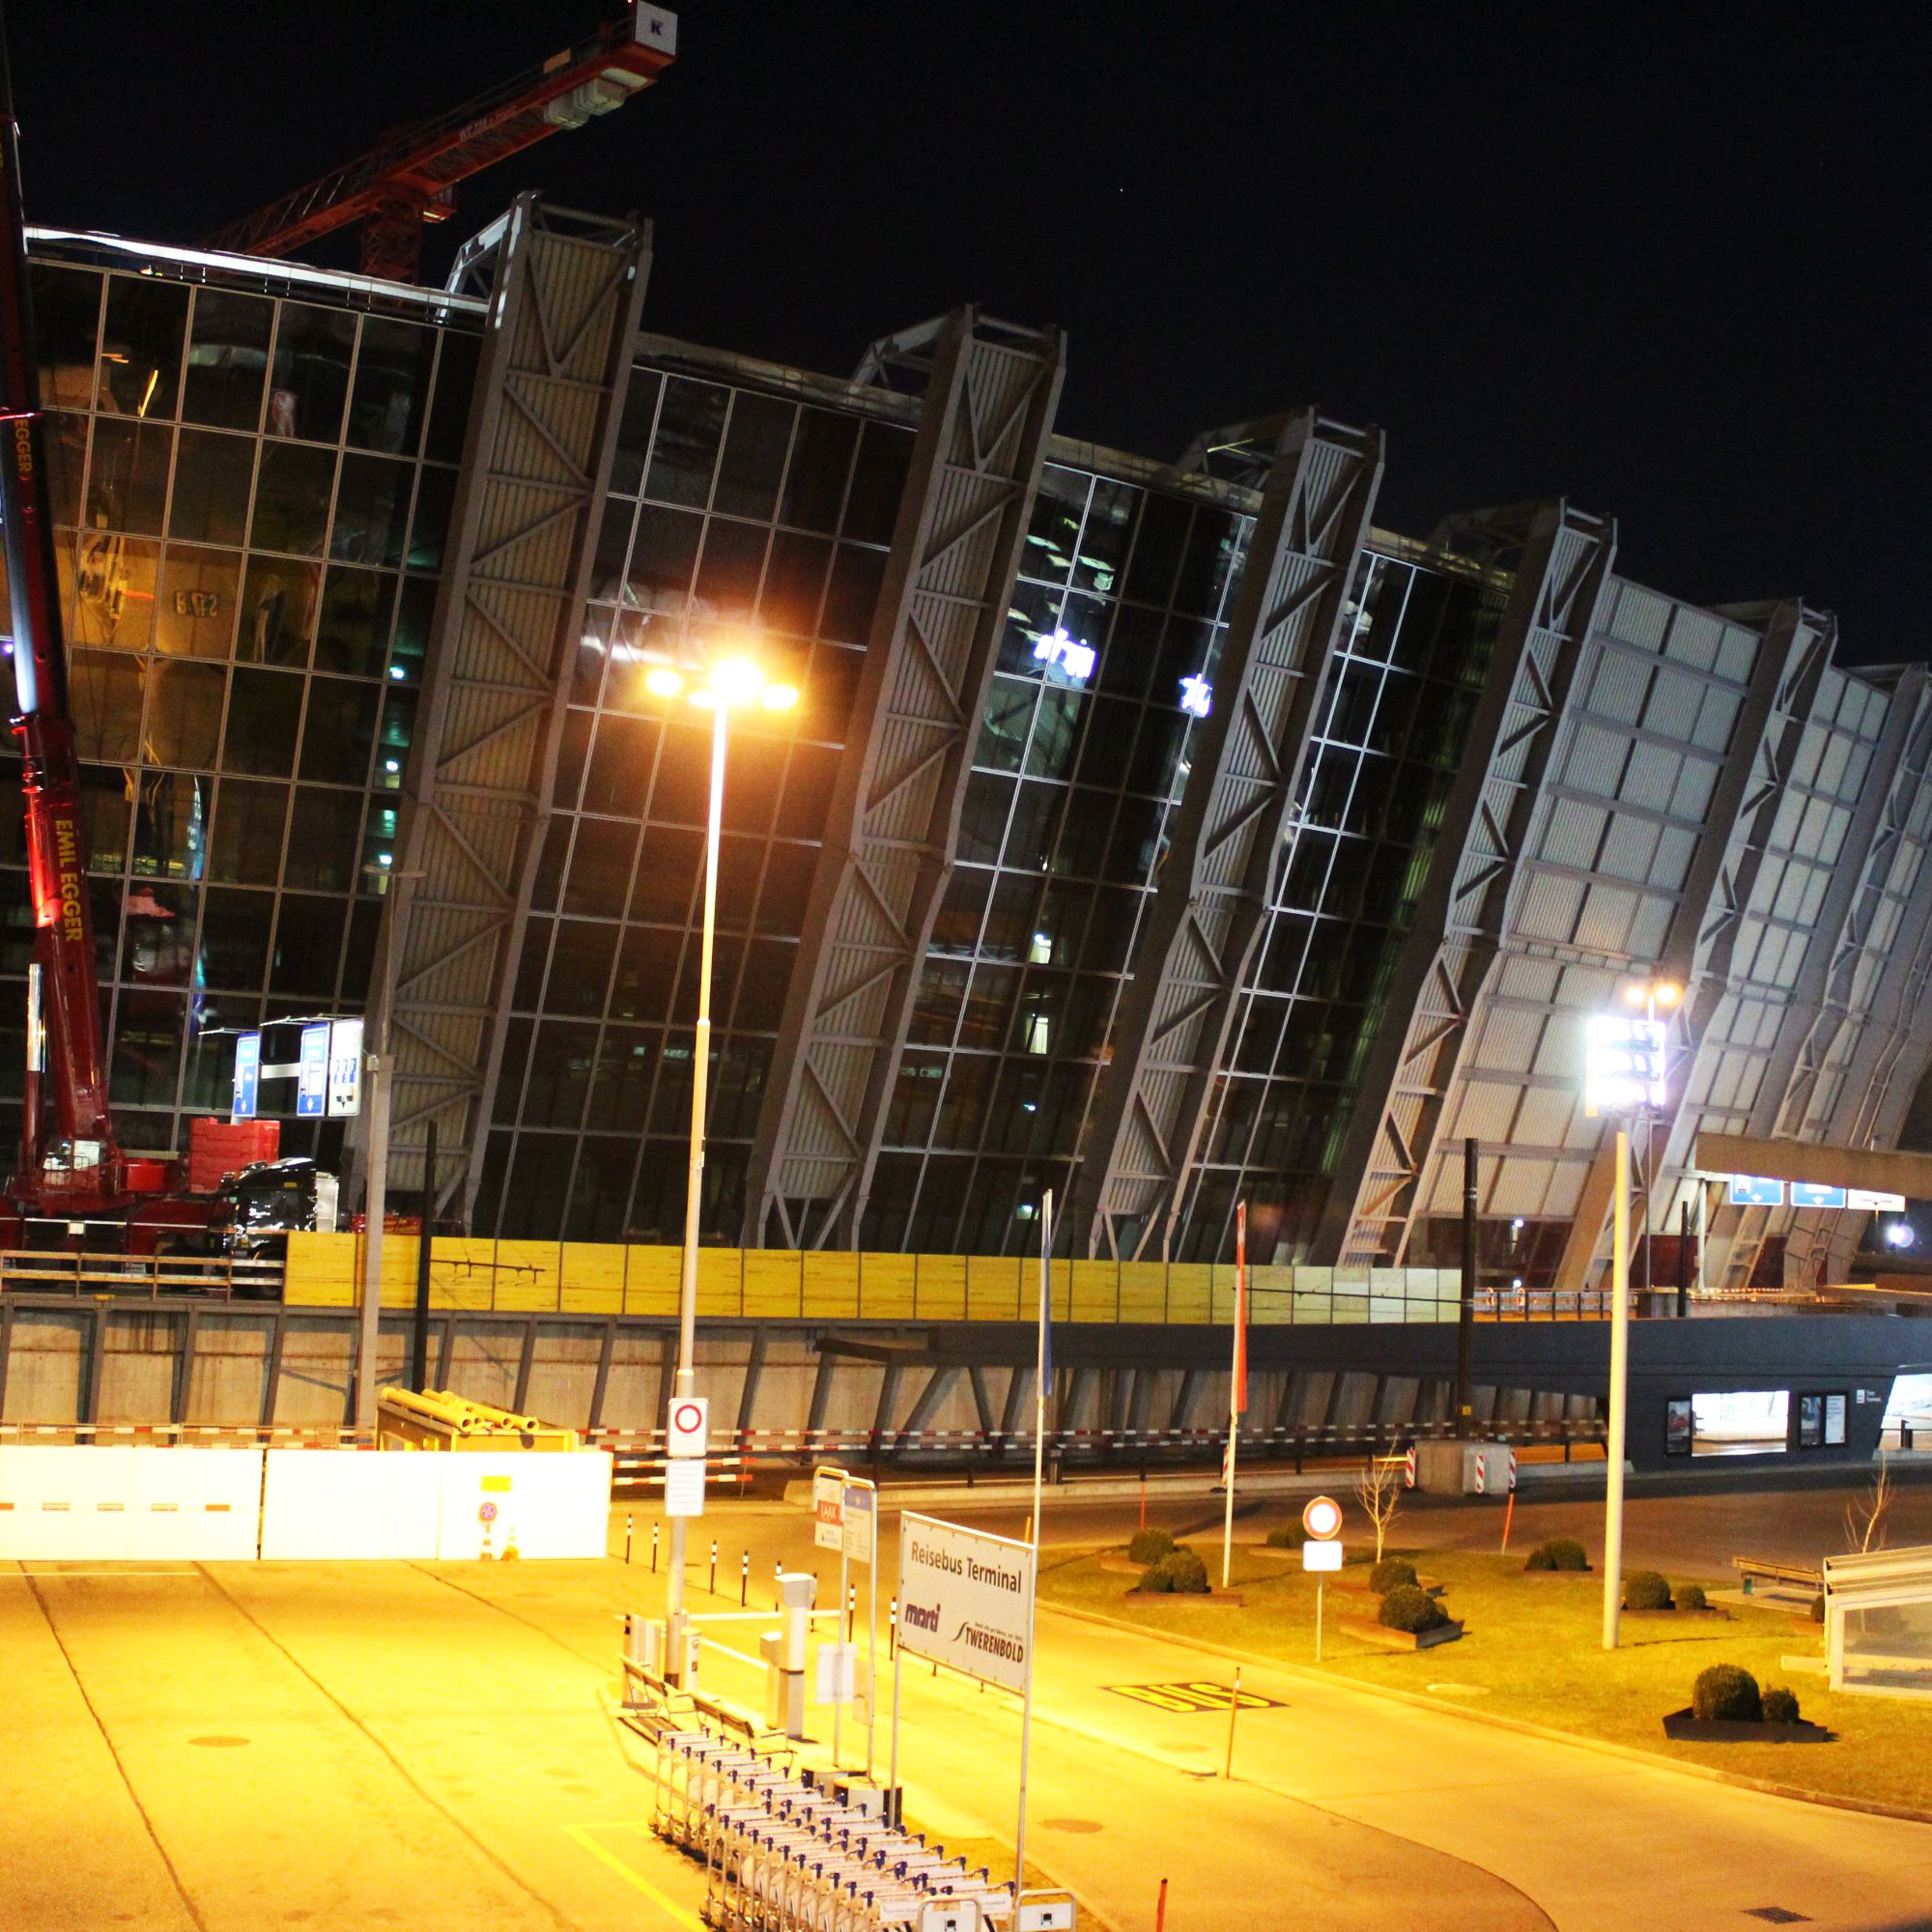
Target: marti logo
67, 846
919, 1618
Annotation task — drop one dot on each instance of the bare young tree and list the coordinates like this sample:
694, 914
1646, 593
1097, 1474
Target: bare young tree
1379, 1490
1866, 1512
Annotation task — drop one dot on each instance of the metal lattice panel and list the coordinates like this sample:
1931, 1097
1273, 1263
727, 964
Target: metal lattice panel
1478, 884
1234, 833
990, 396
564, 297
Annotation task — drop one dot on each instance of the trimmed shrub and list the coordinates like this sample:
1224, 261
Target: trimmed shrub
1559, 1552
1818, 1607
1647, 1590
1183, 1573
1287, 1538
1780, 1706
1724, 1690
1157, 1581
1409, 1608
1692, 1597
1150, 1545
1390, 1572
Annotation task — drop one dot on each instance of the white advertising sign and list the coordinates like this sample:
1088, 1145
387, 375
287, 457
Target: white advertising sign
828, 1509
966, 1600
686, 1425
1876, 1203
345, 1067
1322, 1556
861, 1512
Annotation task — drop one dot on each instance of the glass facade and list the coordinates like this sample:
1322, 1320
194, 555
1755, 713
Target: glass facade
251, 491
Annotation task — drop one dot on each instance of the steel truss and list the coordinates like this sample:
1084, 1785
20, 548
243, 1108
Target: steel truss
1469, 902
1234, 833
990, 395
564, 293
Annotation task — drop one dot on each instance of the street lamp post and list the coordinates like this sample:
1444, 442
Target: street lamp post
1625, 1075
727, 682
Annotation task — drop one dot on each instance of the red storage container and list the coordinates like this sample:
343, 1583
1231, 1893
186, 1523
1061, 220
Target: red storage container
217, 1149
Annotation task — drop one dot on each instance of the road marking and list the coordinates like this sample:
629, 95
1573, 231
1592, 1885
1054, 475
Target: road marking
677, 1913
1195, 1696
118, 1569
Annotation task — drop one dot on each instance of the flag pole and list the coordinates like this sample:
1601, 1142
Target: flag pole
1044, 1369
1238, 1383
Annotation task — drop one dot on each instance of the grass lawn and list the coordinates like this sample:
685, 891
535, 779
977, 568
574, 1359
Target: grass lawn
1532, 1649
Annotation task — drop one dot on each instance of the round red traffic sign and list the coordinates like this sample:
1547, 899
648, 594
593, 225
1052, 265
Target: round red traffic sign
1322, 1518
486, 1512
687, 1418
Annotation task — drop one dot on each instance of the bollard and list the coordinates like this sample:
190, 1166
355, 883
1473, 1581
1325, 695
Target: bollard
654, 1548
1160, 1909
1233, 1711
892, 1630
744, 1578
851, 1608
713, 1586
778, 1588
627, 1537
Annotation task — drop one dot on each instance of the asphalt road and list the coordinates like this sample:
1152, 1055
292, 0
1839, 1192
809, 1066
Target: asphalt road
217, 1749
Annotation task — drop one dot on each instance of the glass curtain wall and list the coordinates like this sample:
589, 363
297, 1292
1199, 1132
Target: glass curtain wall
250, 494
1082, 755
730, 507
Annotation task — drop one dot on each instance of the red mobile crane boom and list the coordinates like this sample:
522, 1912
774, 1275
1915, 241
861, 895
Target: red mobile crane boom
410, 176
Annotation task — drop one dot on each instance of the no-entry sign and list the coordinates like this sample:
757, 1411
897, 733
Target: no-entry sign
689, 1425
1322, 1518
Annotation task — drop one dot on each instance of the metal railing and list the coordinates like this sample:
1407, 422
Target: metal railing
149, 1277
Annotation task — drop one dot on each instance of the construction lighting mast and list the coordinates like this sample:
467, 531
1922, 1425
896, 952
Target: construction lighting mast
409, 177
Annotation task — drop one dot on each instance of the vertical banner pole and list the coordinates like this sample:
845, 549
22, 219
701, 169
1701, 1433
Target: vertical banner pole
896, 1799
1319, 1579
872, 1643
1234, 1712
1237, 1384
1042, 1368
1614, 1448
837, 1637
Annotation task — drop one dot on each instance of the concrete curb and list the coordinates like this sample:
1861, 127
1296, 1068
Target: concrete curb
1629, 1753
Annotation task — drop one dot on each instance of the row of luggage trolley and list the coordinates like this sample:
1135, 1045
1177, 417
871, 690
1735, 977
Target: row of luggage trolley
783, 1851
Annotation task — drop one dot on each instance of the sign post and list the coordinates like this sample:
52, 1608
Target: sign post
845, 1519
1321, 1522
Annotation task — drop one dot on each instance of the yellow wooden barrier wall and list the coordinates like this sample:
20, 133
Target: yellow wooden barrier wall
610, 1278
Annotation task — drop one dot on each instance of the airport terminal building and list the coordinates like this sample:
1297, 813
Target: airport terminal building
1162, 832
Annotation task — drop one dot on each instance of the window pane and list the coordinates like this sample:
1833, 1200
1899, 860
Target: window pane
370, 511
195, 613
734, 560
210, 494
689, 428
795, 583
309, 944
108, 589
278, 613
247, 846
436, 490
620, 767
455, 383
662, 559
391, 384
235, 939
141, 348
878, 482
291, 499
821, 459
105, 690
312, 347
171, 824
325, 855
66, 457
66, 315
667, 872
754, 454
353, 628
621, 1086
339, 732
633, 431
147, 1049
560, 1074
185, 717
600, 868
415, 613
263, 709
579, 967
227, 357
856, 578
127, 486
103, 814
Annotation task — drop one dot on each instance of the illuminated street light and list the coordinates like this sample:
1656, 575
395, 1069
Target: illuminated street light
727, 683
1900, 1235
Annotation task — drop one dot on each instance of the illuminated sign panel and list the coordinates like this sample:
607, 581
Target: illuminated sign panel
1873, 1202
1749, 1190
1197, 696
1075, 659
248, 1075
1815, 1194
1623, 1065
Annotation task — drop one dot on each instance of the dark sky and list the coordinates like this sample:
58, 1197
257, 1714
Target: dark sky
1670, 261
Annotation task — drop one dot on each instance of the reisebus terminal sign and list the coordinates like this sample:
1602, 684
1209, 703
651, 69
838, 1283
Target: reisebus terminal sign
966, 1600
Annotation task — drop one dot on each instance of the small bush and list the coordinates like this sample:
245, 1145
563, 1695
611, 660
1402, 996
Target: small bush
1780, 1706
1409, 1608
1692, 1597
1150, 1545
1158, 1580
1724, 1690
1183, 1572
1391, 1573
1818, 1607
1647, 1590
1287, 1538
1559, 1552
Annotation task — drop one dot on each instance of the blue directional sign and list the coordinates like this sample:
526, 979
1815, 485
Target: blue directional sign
312, 1081
1815, 1194
248, 1075
1748, 1190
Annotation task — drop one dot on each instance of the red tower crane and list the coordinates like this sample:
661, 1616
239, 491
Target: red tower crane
408, 177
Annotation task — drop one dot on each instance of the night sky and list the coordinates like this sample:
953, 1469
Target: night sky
1669, 261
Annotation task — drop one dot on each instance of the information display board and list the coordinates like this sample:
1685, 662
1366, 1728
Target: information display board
966, 1600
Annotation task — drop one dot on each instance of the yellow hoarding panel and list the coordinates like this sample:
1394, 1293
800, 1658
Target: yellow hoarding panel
942, 1288
1143, 1290
993, 1290
1270, 1295
651, 1277
463, 1273
721, 1281
774, 1284
831, 1287
594, 1278
321, 1271
886, 1284
1189, 1285
1094, 1294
